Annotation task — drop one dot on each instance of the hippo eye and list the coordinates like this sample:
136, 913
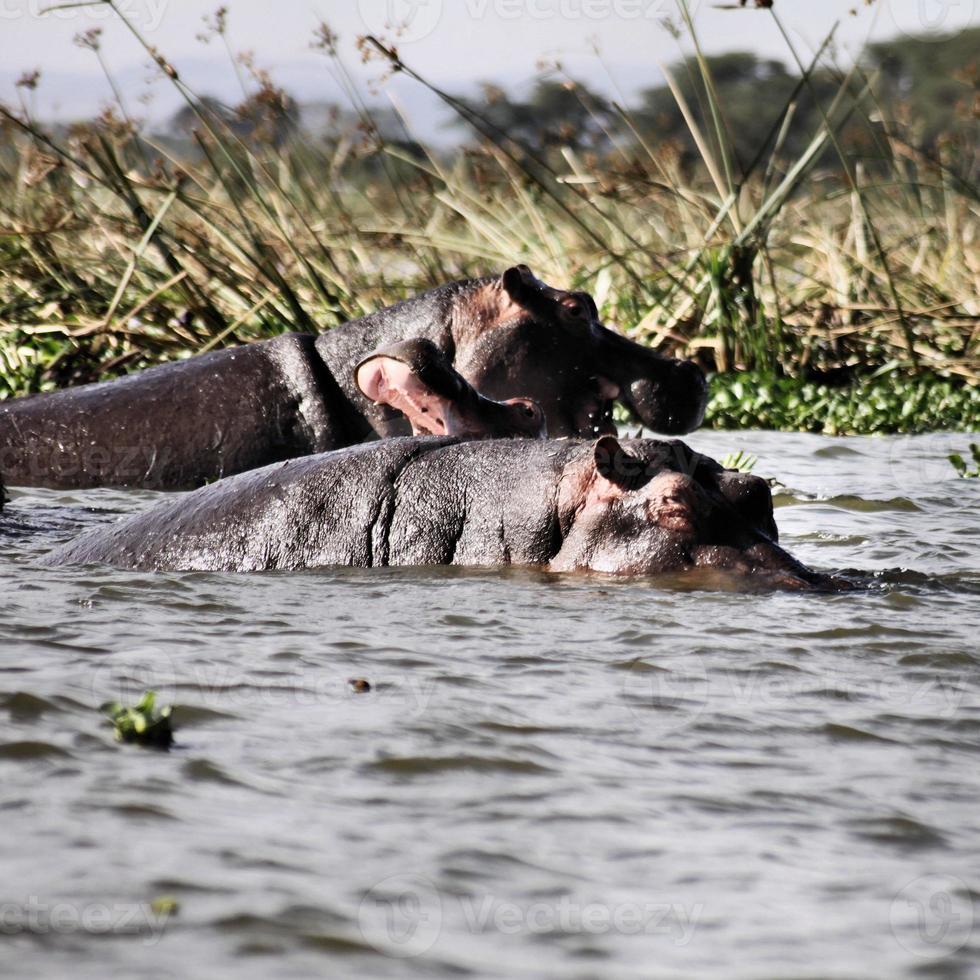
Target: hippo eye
529, 412
575, 309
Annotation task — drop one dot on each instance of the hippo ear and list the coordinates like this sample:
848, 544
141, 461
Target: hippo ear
518, 283
617, 471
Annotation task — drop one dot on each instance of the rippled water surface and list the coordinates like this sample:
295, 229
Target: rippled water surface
562, 777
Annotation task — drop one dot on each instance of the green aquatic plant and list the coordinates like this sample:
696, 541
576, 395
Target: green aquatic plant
143, 724
165, 906
961, 466
882, 403
739, 460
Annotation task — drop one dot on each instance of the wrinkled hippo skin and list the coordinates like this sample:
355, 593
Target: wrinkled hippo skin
638, 508
177, 425
183, 424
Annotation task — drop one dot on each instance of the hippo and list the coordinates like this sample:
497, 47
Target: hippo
180, 425
631, 508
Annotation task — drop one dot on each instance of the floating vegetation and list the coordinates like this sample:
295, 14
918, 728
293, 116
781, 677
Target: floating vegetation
962, 467
887, 403
164, 906
739, 460
144, 724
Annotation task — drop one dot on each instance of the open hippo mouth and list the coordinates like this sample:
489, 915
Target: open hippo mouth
416, 379
672, 402
595, 417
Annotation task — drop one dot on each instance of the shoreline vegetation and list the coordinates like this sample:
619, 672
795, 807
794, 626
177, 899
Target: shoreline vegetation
808, 231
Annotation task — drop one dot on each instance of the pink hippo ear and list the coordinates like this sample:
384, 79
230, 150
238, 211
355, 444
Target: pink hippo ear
616, 470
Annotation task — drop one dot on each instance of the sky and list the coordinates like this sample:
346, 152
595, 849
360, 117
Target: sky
457, 43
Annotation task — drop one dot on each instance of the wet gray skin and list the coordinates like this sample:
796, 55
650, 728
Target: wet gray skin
183, 424
643, 507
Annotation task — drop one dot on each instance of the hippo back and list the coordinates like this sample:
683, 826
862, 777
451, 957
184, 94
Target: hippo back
403, 501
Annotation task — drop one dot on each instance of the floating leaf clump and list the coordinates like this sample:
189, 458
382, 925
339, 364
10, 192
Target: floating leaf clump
144, 724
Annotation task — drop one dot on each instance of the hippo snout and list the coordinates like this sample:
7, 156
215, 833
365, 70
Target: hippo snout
673, 402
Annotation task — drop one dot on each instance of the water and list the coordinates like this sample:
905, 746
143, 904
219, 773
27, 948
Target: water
563, 777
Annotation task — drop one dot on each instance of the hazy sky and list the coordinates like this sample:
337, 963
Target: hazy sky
457, 42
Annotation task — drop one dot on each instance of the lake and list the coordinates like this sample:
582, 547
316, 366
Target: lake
550, 776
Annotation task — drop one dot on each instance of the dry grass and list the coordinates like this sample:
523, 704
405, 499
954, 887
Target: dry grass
115, 253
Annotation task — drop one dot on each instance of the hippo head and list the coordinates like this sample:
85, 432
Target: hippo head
518, 336
629, 514
415, 378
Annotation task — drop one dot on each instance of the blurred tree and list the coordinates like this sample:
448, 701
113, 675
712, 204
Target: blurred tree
932, 83
269, 115
556, 114
929, 86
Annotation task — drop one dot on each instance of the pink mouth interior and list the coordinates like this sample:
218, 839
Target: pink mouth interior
389, 382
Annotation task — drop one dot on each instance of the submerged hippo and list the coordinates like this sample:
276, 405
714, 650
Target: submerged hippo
180, 425
637, 508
